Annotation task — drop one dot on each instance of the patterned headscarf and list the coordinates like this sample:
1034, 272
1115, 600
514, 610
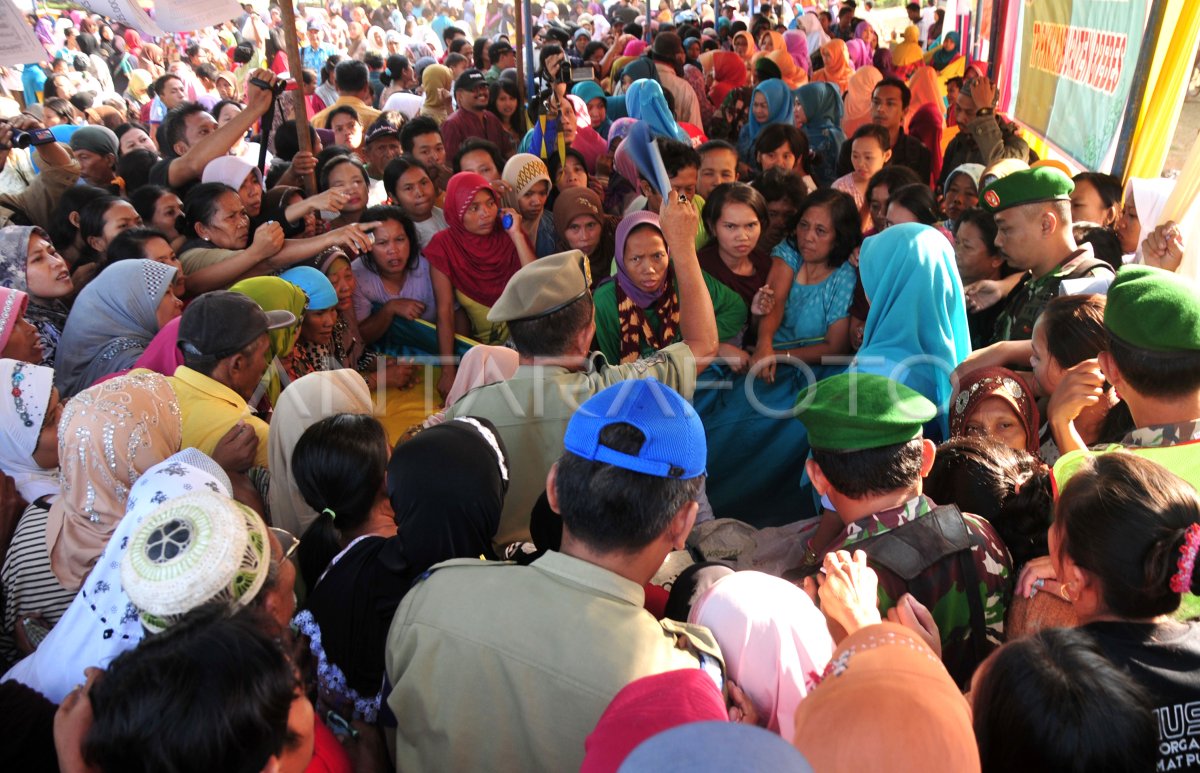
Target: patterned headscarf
979, 385
27, 390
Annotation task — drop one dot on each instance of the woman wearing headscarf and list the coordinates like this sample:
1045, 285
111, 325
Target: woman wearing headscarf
810, 24
907, 53
586, 140
645, 102
796, 43
582, 224
113, 321
789, 73
96, 626
911, 266
1145, 200
19, 339
241, 175
921, 719
883, 62
313, 351
436, 83
926, 125
996, 403
775, 641
110, 434
729, 72
837, 66
444, 492
946, 52
860, 53
589, 91
858, 98
819, 113
274, 294
960, 193
29, 263
743, 46
472, 261
772, 103
731, 94
307, 401
638, 314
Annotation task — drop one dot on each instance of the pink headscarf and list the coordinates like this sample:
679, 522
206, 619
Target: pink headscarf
587, 140
860, 52
774, 639
797, 45
634, 48
163, 354
12, 308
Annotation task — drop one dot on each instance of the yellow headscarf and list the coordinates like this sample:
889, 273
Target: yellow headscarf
908, 51
436, 83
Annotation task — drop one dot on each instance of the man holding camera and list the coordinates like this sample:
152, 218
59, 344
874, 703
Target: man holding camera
59, 171
472, 118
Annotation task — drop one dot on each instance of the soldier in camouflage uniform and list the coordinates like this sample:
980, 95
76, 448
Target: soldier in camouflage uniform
869, 459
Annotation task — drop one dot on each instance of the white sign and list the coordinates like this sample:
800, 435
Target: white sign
191, 15
18, 43
126, 12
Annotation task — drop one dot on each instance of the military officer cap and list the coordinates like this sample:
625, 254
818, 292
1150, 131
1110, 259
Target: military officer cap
543, 287
1149, 308
1029, 186
857, 411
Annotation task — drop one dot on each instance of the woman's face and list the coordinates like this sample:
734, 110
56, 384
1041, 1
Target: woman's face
597, 110
761, 108
251, 194
994, 417
45, 453
572, 175
877, 200
1047, 373
740, 46
119, 217
897, 214
961, 195
646, 259
24, 343
346, 131
867, 158
532, 203
342, 278
815, 235
583, 234
224, 88
765, 44
46, 273
738, 229
480, 217
971, 251
167, 210
1129, 227
1087, 206
391, 249
506, 104
136, 139
349, 178
160, 251
317, 326
229, 226
228, 113
168, 309
415, 194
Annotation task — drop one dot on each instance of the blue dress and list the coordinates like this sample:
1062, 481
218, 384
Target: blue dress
811, 309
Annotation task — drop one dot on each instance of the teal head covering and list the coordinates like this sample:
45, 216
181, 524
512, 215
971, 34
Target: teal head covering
645, 101
316, 286
822, 103
942, 57
917, 327
780, 109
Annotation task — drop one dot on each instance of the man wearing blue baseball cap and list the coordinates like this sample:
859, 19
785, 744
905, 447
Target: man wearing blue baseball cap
496, 666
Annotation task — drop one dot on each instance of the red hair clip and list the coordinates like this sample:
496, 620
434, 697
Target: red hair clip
1181, 582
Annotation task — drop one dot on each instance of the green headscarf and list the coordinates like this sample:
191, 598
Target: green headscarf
273, 294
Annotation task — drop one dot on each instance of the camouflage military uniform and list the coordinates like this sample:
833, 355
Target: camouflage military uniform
948, 602
1015, 323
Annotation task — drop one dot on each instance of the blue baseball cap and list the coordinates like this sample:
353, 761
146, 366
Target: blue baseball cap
675, 445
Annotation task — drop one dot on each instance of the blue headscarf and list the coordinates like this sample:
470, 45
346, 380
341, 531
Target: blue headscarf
780, 109
640, 68
823, 108
645, 101
917, 311
316, 287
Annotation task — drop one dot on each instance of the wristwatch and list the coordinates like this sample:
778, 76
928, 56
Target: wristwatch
984, 111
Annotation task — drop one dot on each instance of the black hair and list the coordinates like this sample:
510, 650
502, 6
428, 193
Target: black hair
145, 200
712, 145
174, 127
287, 139
733, 193
330, 64
553, 334
1009, 488
457, 46
497, 50
224, 103
1054, 701
983, 220
1106, 245
62, 231
396, 169
518, 122
913, 7
472, 144
339, 465
130, 244
351, 76
134, 167
396, 65
161, 81
775, 135
893, 177
91, 222
677, 156
896, 83
207, 70
917, 199
454, 59
1074, 328
334, 162
611, 509
778, 184
63, 108
200, 205
635, 30
479, 51
859, 474
847, 222
1162, 375
417, 127
373, 60
127, 127
1123, 518
213, 692
591, 48
243, 53
384, 212
1107, 185
451, 32
341, 110
878, 133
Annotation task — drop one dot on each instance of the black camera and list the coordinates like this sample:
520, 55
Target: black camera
277, 88
21, 139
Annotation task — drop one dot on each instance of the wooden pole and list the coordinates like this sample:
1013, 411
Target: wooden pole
296, 69
519, 36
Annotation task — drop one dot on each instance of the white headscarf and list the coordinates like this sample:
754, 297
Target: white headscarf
101, 623
21, 425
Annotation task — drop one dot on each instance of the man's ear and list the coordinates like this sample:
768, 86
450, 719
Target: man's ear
551, 488
928, 453
819, 481
681, 524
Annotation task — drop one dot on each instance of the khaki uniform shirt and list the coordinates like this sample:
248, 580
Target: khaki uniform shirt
531, 411
498, 667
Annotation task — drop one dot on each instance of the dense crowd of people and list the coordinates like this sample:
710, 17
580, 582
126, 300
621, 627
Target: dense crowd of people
671, 402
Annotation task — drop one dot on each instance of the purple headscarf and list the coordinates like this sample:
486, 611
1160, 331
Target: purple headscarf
636, 294
797, 45
860, 53
883, 62
620, 128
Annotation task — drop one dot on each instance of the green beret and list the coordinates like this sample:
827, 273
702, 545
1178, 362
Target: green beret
1028, 186
543, 287
1149, 308
883, 412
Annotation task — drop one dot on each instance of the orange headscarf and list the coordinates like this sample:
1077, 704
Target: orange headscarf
751, 48
858, 98
792, 75
777, 42
838, 67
